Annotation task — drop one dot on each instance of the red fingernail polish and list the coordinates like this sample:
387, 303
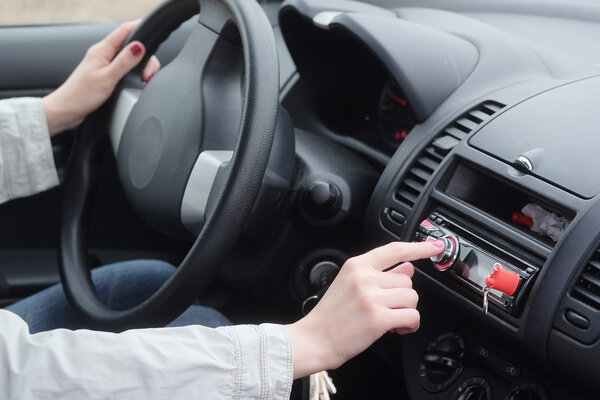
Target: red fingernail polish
136, 50
439, 243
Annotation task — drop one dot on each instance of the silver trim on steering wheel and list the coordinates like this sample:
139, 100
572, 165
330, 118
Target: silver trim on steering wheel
197, 190
123, 106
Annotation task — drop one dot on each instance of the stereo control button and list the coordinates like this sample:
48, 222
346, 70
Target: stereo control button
442, 256
437, 234
427, 227
397, 216
445, 260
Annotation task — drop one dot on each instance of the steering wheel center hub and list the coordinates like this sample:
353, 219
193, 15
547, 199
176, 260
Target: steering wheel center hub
144, 162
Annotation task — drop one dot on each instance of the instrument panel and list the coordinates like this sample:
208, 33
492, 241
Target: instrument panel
376, 113
395, 118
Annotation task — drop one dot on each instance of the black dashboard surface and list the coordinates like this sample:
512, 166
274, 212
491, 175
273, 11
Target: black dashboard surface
527, 90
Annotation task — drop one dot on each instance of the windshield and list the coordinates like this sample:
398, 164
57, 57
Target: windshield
39, 12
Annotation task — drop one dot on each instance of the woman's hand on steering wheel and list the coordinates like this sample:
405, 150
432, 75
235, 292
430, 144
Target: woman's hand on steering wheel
189, 166
95, 79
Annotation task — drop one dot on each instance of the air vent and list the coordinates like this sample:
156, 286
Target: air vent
587, 288
429, 159
417, 177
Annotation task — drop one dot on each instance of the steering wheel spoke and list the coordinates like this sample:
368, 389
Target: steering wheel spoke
200, 186
126, 100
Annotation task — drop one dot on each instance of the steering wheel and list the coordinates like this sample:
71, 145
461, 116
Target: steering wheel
191, 149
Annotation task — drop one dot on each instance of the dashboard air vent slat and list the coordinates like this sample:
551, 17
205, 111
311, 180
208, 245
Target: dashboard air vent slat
587, 297
591, 278
462, 127
467, 123
480, 115
420, 173
413, 184
491, 107
430, 164
433, 154
445, 143
456, 133
587, 287
595, 264
426, 163
408, 196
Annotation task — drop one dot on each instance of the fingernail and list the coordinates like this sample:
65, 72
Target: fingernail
136, 50
439, 244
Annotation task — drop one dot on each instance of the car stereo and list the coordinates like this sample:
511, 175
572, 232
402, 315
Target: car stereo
470, 258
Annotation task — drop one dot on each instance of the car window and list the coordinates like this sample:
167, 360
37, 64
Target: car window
37, 12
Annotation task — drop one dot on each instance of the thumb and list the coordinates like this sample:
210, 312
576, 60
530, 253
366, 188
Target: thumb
126, 60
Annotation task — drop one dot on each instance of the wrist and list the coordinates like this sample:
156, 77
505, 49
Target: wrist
311, 351
59, 116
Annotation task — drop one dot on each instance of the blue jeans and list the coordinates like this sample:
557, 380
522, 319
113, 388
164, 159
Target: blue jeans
121, 286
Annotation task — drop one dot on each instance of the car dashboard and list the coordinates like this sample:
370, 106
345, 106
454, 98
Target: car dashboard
470, 113
412, 120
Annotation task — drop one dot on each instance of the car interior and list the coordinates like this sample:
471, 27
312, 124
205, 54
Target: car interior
260, 169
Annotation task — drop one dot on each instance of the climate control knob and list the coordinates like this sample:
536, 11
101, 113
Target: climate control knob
474, 389
528, 391
442, 364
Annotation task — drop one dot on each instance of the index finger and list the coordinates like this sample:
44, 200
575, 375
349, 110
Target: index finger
114, 40
396, 252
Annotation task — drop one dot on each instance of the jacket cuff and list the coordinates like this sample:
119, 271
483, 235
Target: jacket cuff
26, 160
263, 357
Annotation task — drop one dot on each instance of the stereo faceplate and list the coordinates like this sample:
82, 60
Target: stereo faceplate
472, 260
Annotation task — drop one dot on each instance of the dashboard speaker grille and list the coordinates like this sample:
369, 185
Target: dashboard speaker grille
587, 287
423, 168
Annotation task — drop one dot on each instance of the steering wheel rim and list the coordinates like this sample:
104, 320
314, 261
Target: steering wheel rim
238, 187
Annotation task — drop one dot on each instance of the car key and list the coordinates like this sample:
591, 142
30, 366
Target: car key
486, 291
320, 386
314, 385
502, 280
329, 383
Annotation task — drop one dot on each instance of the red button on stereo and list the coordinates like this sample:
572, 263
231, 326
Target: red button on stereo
426, 224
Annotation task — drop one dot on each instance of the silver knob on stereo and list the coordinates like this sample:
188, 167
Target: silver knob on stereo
444, 260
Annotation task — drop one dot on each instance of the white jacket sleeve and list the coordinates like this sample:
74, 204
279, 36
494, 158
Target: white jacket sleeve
26, 160
194, 362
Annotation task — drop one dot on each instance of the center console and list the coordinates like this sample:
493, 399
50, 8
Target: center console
469, 185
